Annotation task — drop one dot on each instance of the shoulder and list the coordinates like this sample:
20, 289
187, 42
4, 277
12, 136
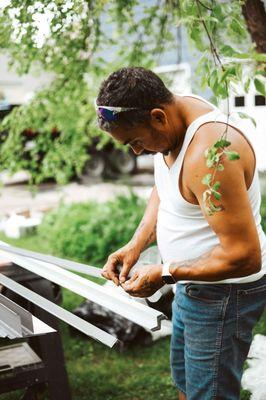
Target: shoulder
207, 135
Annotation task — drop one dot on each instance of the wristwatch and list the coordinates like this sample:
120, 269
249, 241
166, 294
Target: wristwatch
166, 275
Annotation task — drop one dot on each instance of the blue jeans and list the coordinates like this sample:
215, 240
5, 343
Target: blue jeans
212, 333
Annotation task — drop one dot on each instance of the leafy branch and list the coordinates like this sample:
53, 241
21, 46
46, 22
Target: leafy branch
83, 45
214, 155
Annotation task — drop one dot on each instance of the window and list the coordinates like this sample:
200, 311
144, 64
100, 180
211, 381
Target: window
260, 100
239, 101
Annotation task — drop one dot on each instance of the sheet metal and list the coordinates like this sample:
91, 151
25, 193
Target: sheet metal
10, 323
64, 263
127, 307
59, 312
16, 322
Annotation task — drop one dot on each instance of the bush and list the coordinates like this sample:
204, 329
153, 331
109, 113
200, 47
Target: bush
89, 232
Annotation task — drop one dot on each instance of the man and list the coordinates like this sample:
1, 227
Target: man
218, 261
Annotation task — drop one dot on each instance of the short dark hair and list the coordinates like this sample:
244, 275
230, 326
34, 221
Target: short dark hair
132, 87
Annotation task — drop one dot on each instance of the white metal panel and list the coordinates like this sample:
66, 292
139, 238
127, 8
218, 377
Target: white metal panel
142, 315
10, 323
64, 263
59, 312
21, 322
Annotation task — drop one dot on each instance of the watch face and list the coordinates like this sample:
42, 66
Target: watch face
168, 279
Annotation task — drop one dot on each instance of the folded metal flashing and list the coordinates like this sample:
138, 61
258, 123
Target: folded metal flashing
141, 314
59, 312
16, 322
64, 263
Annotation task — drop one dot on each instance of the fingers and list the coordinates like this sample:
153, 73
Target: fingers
124, 272
130, 284
109, 270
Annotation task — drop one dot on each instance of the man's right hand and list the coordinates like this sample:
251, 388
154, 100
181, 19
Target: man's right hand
127, 256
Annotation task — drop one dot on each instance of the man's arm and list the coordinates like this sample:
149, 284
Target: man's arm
146, 231
128, 255
238, 253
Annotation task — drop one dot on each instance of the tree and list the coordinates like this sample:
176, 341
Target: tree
81, 33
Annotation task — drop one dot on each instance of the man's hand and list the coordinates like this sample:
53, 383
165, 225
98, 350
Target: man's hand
146, 281
127, 256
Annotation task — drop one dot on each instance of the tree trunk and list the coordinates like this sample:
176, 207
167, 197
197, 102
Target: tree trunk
255, 16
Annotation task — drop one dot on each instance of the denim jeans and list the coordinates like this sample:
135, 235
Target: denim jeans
212, 333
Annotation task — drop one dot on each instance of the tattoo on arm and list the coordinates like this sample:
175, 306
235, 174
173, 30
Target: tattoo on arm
150, 238
188, 264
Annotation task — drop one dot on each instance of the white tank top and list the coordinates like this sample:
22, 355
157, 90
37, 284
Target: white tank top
182, 230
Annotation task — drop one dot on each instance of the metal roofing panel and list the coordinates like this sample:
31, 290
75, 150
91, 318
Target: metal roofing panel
64, 263
10, 323
141, 314
16, 322
59, 312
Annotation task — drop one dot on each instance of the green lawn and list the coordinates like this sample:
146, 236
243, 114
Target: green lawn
98, 373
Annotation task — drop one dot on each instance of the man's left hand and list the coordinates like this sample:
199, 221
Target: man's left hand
145, 281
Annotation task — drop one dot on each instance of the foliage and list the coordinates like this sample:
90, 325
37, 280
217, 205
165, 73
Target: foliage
80, 48
83, 44
263, 213
214, 156
91, 231
213, 24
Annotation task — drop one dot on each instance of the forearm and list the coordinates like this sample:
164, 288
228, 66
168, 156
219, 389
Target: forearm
146, 231
214, 265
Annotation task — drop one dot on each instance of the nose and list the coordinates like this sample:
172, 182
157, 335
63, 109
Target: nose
136, 149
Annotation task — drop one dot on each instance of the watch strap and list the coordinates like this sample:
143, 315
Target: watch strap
166, 275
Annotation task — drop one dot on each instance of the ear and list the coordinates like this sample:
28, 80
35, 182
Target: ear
158, 118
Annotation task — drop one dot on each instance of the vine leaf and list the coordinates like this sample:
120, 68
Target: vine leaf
260, 86
222, 143
232, 155
216, 194
207, 179
217, 185
220, 167
244, 115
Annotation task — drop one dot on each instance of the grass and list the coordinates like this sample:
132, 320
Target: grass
98, 373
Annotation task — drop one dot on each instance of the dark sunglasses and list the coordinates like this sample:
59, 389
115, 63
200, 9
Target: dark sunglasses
111, 113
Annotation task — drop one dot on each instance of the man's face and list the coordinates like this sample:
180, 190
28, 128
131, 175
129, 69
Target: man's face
144, 140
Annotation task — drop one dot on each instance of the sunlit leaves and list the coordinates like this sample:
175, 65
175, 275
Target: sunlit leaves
260, 85
214, 157
247, 116
85, 40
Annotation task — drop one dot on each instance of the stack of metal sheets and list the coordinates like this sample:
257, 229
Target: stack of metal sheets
58, 270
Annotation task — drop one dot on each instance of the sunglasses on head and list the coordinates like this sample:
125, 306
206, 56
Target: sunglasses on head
111, 113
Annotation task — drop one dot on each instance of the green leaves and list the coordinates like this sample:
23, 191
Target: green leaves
247, 116
232, 155
207, 179
213, 157
238, 28
260, 85
89, 231
80, 51
228, 51
222, 143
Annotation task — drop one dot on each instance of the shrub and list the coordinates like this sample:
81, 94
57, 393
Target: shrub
89, 232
